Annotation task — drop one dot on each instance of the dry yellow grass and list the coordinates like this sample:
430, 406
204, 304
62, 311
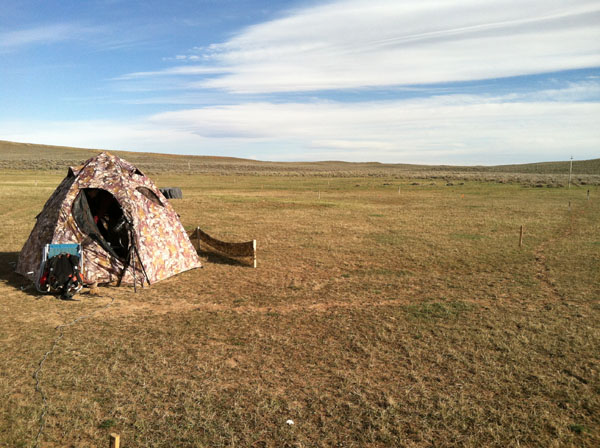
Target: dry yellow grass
375, 318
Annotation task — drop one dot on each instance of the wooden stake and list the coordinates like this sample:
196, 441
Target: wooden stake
115, 440
570, 171
569, 205
398, 189
198, 238
319, 194
254, 250
588, 195
521, 237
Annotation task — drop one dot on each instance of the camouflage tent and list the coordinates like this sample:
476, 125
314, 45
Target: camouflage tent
123, 222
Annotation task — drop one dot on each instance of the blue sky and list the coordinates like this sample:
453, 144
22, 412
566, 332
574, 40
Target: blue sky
430, 81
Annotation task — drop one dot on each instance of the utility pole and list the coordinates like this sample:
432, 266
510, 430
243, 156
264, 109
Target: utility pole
570, 171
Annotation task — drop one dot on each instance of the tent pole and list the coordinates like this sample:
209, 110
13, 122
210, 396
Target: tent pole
134, 279
142, 265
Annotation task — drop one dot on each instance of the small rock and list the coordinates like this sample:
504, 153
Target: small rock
94, 291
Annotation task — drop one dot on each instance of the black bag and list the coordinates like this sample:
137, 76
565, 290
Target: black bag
62, 275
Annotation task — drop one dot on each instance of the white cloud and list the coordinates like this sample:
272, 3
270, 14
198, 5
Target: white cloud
451, 129
435, 130
174, 71
99, 37
45, 34
357, 43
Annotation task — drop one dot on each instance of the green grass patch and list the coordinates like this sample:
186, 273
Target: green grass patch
577, 429
388, 239
105, 424
466, 236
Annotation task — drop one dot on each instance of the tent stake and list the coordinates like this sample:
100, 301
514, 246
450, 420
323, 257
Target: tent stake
115, 440
521, 237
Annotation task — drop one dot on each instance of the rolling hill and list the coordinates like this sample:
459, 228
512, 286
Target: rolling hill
15, 155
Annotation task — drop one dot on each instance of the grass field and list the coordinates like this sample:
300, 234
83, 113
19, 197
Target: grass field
381, 314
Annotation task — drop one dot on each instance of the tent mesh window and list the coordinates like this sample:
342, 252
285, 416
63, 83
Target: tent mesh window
99, 215
150, 195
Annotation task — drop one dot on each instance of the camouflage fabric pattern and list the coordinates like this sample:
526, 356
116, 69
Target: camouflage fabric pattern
163, 245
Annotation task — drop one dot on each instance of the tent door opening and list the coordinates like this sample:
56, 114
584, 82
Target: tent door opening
99, 215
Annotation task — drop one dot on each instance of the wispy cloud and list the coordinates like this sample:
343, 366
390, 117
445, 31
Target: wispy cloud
97, 37
44, 34
174, 71
435, 129
588, 90
354, 43
442, 129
